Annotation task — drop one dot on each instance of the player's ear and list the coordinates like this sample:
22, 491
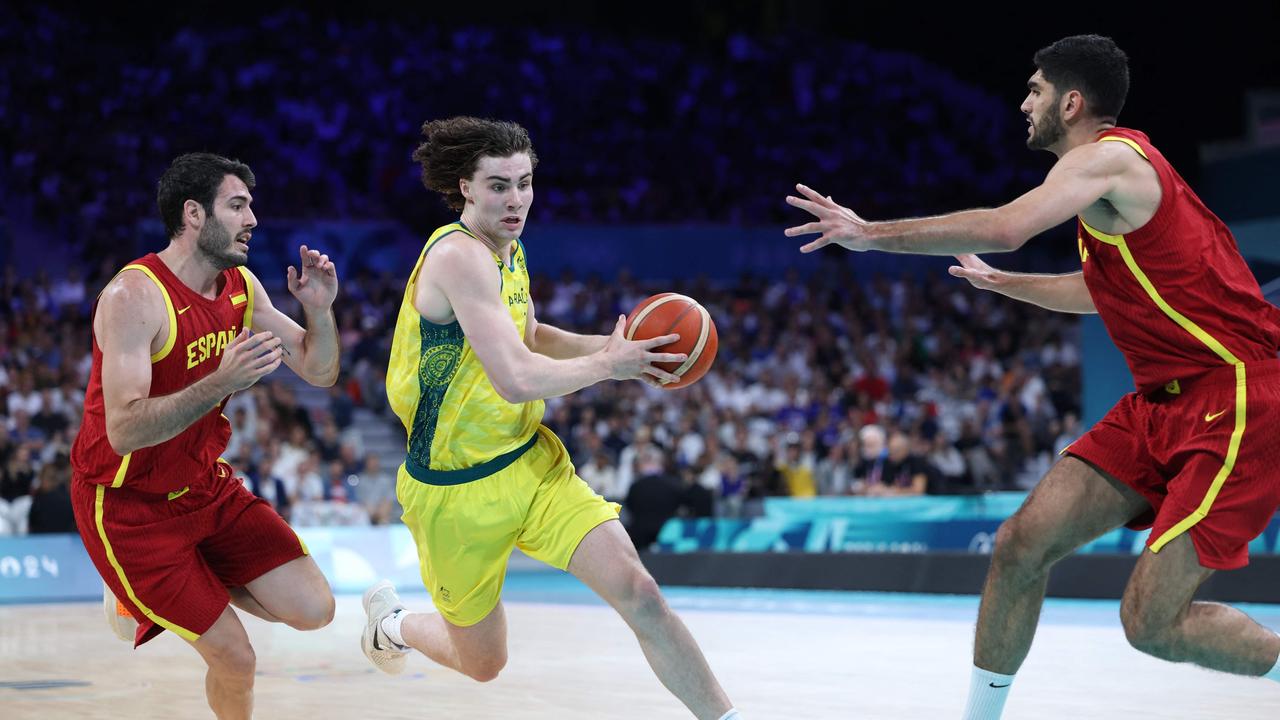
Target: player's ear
465, 187
192, 214
1073, 104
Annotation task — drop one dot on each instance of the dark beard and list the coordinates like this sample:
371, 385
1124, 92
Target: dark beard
215, 244
1049, 131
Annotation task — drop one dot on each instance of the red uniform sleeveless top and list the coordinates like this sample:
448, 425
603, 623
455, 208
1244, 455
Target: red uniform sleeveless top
1175, 295
198, 330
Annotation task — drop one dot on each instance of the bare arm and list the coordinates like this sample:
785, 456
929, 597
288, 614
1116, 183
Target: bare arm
463, 271
130, 319
1061, 293
1082, 177
560, 344
312, 353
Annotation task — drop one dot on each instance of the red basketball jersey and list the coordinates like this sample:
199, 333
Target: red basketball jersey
1175, 295
198, 330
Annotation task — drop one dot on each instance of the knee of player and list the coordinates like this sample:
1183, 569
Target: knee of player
644, 598
486, 669
324, 610
316, 614
1145, 633
1018, 546
236, 661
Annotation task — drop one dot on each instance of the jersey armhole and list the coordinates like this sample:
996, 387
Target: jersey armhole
168, 304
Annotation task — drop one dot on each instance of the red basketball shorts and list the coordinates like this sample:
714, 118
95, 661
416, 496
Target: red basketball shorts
169, 558
1204, 452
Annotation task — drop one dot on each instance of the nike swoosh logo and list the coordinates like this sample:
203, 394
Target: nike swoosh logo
1214, 416
184, 309
179, 493
999, 686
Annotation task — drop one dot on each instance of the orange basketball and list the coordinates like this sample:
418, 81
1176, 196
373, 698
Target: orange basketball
674, 313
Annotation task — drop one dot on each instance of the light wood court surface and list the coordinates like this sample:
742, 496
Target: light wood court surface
779, 655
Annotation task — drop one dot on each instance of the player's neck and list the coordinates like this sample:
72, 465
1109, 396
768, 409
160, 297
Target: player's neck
1083, 134
501, 248
185, 261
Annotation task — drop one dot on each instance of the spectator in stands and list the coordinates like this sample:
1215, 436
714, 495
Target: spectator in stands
601, 476
795, 462
870, 470
903, 473
654, 497
376, 491
949, 465
51, 503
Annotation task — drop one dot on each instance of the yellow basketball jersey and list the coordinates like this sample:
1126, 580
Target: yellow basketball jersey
459, 428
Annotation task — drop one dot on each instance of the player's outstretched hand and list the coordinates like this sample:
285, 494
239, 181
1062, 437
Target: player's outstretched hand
978, 273
248, 358
835, 224
316, 285
634, 359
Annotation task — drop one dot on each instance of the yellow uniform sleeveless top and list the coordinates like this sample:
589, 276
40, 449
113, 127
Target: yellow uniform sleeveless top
459, 428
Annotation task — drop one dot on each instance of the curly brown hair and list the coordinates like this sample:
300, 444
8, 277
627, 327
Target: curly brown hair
454, 146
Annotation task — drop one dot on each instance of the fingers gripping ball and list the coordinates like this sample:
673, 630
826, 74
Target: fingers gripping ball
674, 313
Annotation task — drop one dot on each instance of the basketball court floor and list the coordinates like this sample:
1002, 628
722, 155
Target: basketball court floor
779, 654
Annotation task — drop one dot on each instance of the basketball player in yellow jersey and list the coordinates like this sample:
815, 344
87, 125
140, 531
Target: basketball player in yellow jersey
470, 366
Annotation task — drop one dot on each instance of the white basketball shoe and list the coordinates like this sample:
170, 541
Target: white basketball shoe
381, 601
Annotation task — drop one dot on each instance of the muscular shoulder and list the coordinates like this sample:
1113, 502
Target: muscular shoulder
458, 256
132, 292
131, 309
1101, 159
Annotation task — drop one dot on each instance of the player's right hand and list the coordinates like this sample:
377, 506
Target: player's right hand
634, 359
249, 357
978, 273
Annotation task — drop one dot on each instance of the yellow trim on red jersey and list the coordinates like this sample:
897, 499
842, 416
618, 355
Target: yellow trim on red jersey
168, 303
1127, 141
181, 632
248, 292
121, 471
1241, 399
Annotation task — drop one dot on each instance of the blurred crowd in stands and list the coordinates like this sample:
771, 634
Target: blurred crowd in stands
822, 386
327, 113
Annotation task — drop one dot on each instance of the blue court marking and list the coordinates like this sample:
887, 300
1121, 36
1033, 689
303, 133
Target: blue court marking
561, 588
41, 684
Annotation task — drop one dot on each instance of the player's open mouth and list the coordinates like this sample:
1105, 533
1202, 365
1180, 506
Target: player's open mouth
511, 221
243, 240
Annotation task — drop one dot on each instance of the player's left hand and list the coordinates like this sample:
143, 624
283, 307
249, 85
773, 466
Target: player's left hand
316, 285
835, 224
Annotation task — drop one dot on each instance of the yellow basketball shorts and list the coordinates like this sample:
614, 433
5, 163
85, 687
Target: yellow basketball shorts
465, 532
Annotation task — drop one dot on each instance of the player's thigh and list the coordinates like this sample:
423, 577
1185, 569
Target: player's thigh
1161, 587
250, 539
606, 561
464, 535
1073, 504
564, 508
296, 592
484, 642
145, 550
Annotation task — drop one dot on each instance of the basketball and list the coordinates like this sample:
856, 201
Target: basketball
668, 313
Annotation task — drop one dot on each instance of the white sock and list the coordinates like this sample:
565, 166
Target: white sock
391, 626
1274, 672
731, 715
987, 693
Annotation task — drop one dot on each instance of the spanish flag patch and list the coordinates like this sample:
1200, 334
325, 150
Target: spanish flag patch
238, 299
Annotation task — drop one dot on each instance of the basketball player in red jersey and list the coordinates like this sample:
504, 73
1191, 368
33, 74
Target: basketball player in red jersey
172, 531
1192, 454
